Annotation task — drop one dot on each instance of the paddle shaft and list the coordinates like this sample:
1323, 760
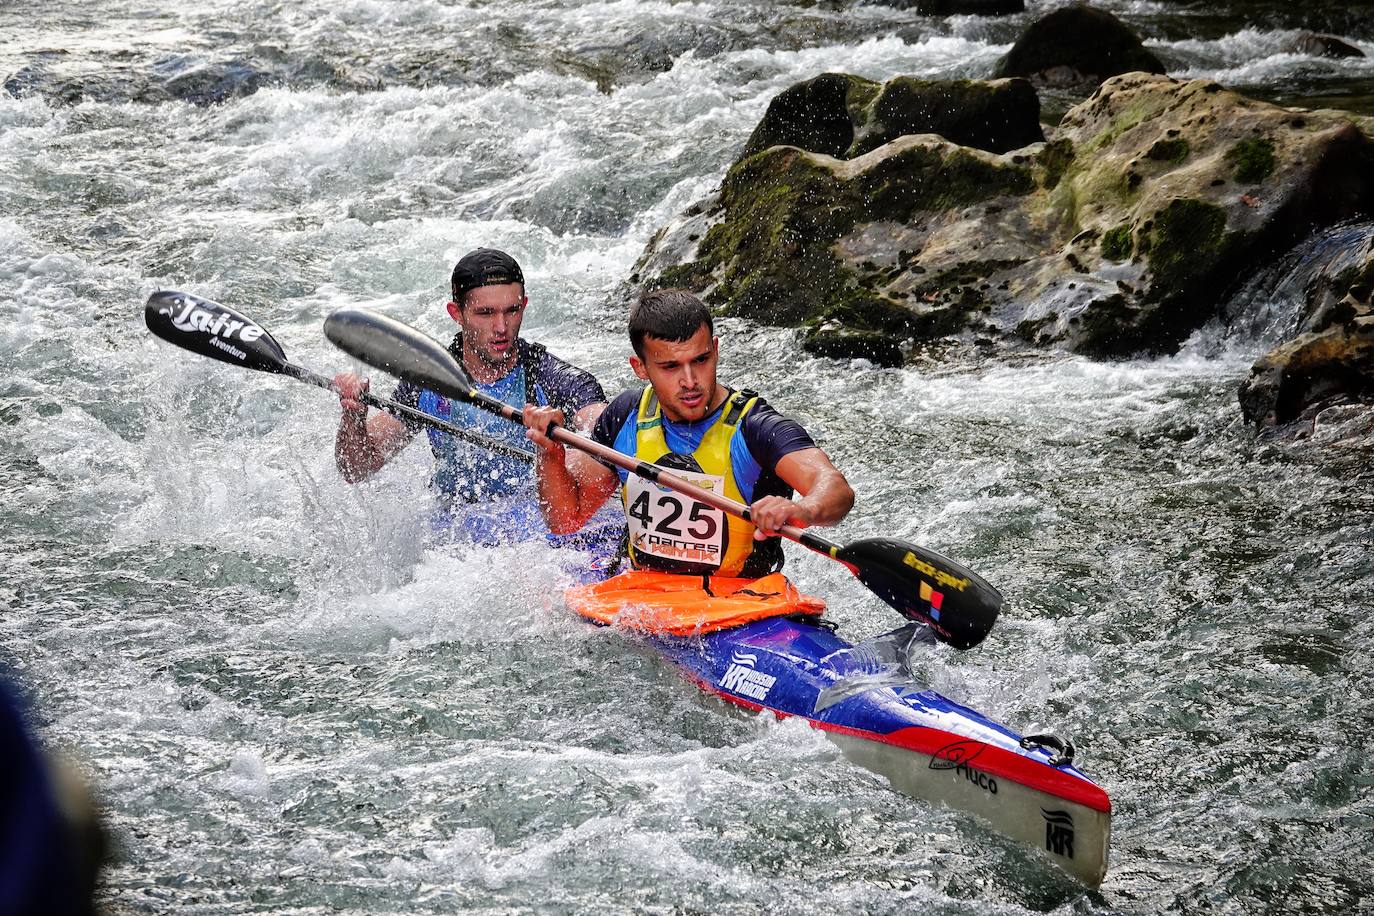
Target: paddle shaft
655, 473
367, 397
220, 333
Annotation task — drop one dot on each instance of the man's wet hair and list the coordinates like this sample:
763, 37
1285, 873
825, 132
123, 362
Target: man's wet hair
673, 315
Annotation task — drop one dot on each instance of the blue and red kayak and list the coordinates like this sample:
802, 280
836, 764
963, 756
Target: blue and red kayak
869, 704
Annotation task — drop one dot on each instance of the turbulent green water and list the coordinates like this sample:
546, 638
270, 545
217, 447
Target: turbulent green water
288, 702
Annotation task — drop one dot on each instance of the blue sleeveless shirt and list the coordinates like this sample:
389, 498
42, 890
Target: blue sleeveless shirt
467, 473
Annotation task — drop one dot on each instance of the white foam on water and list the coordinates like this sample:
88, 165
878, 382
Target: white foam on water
79, 450
453, 594
1259, 57
1061, 390
247, 776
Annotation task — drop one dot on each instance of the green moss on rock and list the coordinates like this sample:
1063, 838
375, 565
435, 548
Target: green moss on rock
1117, 244
1251, 160
1173, 151
1055, 159
691, 275
773, 254
933, 178
1187, 241
848, 343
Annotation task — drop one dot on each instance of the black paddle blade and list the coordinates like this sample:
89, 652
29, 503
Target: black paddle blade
212, 330
957, 603
387, 344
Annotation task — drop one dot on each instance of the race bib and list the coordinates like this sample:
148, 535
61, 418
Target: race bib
667, 524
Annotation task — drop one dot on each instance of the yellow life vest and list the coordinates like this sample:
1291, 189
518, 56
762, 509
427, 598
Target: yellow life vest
673, 533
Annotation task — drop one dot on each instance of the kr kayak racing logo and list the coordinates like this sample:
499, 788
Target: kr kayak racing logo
217, 326
741, 677
1058, 831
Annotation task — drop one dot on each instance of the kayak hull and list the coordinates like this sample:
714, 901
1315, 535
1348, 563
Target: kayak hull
926, 746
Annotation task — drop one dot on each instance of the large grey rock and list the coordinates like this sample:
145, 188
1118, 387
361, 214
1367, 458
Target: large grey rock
818, 115
997, 116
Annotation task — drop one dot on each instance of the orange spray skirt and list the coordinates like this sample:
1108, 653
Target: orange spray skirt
674, 605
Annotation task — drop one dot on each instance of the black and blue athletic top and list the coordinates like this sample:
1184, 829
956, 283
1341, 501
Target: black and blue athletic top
764, 438
464, 472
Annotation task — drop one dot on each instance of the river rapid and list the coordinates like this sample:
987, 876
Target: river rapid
287, 701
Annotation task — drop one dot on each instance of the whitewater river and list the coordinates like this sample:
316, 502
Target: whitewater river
287, 702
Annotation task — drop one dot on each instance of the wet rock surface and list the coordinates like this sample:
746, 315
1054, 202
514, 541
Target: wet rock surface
1328, 364
846, 116
818, 114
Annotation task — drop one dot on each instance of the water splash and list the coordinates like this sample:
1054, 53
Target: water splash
1272, 305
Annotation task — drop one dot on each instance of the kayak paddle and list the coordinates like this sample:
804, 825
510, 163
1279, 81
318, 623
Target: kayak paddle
221, 333
956, 603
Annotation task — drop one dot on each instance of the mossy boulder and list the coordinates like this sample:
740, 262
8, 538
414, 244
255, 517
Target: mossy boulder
1077, 43
1155, 223
817, 115
997, 116
1120, 236
773, 255
846, 116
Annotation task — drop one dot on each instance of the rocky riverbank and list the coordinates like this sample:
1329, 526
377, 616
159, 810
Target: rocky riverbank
883, 217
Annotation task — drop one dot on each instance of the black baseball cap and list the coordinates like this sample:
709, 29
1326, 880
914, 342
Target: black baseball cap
485, 267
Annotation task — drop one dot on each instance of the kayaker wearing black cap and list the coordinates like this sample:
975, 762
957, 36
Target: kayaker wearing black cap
729, 441
489, 304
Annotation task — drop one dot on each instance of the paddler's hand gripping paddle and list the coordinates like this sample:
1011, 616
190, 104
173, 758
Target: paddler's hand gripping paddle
920, 584
221, 333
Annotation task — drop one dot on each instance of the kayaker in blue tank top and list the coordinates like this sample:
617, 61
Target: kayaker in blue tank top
489, 304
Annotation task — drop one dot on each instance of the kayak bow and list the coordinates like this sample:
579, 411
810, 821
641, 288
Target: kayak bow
884, 720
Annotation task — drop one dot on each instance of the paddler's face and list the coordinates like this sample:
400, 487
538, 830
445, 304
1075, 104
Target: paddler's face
490, 317
683, 373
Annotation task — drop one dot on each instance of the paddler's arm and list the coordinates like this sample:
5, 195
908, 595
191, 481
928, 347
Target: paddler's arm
586, 418
572, 486
826, 497
362, 445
